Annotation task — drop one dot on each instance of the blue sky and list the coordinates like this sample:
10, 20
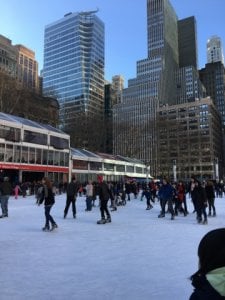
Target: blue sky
125, 26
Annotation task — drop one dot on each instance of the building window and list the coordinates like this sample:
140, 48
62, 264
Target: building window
35, 137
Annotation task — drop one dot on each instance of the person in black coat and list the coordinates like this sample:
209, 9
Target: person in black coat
209, 280
210, 195
5, 192
49, 199
71, 193
200, 202
104, 195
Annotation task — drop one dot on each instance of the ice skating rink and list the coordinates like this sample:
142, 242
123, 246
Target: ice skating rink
136, 257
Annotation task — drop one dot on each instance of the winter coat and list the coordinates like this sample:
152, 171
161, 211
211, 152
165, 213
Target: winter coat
204, 290
104, 192
200, 196
89, 190
47, 196
72, 189
166, 192
6, 188
180, 192
210, 194
128, 188
147, 194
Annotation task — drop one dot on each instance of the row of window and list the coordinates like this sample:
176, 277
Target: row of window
14, 135
98, 166
30, 155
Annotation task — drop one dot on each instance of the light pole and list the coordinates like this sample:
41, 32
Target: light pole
216, 168
174, 170
147, 173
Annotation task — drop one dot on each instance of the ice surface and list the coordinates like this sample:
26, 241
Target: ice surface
136, 257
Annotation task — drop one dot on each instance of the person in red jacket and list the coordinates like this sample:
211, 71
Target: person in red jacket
180, 189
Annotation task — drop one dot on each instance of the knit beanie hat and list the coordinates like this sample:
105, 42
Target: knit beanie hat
211, 251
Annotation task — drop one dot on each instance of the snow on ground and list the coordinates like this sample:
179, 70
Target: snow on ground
136, 257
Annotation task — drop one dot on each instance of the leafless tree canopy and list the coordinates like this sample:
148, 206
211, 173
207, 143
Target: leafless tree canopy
17, 100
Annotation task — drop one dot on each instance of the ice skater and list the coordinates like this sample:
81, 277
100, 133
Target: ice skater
104, 196
49, 199
71, 194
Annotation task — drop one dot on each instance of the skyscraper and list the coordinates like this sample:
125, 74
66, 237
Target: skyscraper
74, 70
168, 76
27, 68
187, 42
213, 78
214, 50
19, 62
134, 117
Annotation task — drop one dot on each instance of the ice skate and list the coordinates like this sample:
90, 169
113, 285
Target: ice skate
54, 226
108, 220
102, 221
46, 228
149, 207
161, 216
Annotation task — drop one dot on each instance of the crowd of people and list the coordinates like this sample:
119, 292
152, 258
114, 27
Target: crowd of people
209, 280
171, 196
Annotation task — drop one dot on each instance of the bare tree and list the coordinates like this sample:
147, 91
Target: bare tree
20, 101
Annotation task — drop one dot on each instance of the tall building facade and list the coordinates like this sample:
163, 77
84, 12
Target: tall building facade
214, 50
189, 140
110, 101
213, 78
187, 43
8, 57
19, 62
188, 85
167, 77
27, 73
113, 92
118, 86
135, 116
118, 83
74, 70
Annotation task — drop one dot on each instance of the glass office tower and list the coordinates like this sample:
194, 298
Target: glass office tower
74, 66
187, 43
135, 116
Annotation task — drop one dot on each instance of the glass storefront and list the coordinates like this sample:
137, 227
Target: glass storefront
31, 155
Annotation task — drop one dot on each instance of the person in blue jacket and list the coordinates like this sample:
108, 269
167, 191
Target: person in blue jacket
166, 197
209, 280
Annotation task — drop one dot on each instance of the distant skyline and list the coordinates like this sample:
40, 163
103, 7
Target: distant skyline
125, 27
